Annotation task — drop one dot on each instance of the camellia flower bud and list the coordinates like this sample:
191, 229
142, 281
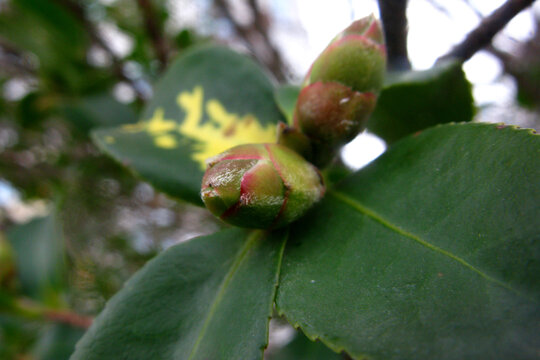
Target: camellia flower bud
341, 89
330, 115
355, 58
262, 186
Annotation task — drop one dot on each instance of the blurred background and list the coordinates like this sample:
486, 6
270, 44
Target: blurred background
78, 223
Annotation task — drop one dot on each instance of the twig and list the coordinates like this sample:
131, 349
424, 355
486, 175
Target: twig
440, 8
486, 30
117, 64
261, 24
474, 9
242, 31
68, 317
30, 309
394, 19
155, 32
247, 33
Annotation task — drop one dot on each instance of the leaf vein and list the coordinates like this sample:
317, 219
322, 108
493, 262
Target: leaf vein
239, 258
381, 220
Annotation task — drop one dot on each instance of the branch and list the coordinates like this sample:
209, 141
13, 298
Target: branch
261, 24
68, 317
242, 31
155, 32
117, 64
247, 34
486, 30
394, 19
30, 309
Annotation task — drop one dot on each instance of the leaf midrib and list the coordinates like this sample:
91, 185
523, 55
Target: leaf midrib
356, 205
239, 258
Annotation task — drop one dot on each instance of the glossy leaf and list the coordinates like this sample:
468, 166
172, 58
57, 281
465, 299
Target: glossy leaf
286, 100
430, 252
210, 99
415, 100
209, 298
39, 257
97, 111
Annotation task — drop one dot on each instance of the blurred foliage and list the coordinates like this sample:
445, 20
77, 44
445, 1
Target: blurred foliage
61, 77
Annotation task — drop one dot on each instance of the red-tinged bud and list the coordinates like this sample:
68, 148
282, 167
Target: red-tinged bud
263, 186
330, 115
356, 58
368, 27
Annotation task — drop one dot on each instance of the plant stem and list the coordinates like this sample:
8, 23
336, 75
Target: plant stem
394, 19
487, 29
30, 309
155, 32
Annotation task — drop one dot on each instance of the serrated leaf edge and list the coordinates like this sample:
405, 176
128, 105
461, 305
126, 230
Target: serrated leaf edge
358, 356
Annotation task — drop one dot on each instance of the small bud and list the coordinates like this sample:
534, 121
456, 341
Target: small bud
330, 115
340, 90
356, 58
263, 186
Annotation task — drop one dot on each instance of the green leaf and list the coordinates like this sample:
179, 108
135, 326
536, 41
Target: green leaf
209, 100
209, 298
97, 111
286, 97
430, 252
39, 257
415, 100
16, 336
57, 342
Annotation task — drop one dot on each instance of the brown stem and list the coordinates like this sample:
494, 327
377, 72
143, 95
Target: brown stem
251, 34
33, 310
261, 25
69, 318
155, 32
394, 19
486, 30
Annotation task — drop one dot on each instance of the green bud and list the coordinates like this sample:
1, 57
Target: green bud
263, 186
340, 90
330, 115
356, 58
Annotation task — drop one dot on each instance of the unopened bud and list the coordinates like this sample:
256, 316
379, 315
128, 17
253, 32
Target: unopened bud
340, 90
262, 186
331, 115
356, 58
